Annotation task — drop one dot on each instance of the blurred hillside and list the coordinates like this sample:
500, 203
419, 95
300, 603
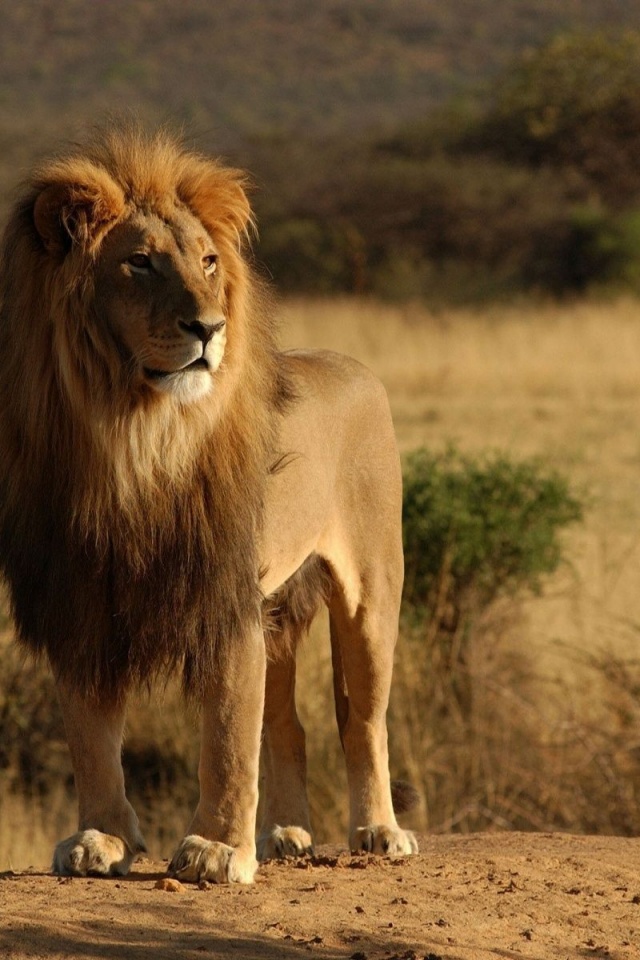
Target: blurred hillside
299, 92
244, 69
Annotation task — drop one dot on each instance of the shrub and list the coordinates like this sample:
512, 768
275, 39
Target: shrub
475, 530
470, 720
33, 750
487, 526
308, 254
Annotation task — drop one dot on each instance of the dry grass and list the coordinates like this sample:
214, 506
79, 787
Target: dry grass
553, 380
30, 827
558, 381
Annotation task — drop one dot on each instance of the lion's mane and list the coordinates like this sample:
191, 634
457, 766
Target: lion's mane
129, 525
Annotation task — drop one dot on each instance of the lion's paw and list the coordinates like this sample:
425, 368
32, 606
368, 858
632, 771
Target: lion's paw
281, 842
388, 841
92, 852
199, 859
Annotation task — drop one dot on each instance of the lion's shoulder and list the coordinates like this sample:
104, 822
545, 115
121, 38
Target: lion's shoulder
335, 381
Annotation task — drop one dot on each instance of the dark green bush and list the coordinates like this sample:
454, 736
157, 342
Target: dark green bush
488, 525
33, 751
574, 103
313, 255
591, 248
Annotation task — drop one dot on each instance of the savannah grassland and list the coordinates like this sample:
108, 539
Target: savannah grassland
550, 739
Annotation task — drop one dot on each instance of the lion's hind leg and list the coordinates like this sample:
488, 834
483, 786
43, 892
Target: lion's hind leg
362, 648
286, 828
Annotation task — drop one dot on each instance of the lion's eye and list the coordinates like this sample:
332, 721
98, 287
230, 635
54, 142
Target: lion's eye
210, 264
140, 262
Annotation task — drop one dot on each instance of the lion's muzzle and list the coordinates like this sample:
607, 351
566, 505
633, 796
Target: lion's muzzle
203, 331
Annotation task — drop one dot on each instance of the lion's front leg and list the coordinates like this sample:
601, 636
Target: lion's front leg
108, 836
220, 845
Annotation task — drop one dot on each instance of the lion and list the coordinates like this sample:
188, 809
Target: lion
177, 495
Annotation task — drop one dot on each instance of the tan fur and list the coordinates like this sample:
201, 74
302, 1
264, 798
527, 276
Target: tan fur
163, 469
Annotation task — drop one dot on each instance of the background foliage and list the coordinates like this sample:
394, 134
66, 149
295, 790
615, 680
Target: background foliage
534, 186
399, 148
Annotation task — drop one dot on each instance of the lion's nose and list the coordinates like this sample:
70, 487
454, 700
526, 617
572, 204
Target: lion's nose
203, 331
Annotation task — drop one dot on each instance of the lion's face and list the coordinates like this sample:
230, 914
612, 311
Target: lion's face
159, 290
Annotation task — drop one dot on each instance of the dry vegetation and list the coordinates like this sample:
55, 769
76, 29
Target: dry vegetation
547, 738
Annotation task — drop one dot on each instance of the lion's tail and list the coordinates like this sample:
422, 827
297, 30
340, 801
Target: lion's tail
404, 796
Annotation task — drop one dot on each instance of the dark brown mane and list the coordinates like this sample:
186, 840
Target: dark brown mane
127, 534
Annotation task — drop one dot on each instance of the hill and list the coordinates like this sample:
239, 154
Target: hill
240, 71
304, 94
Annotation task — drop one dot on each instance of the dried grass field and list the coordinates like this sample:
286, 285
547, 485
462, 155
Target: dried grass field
550, 741
561, 382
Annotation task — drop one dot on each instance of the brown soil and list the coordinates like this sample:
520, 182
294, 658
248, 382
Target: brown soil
465, 897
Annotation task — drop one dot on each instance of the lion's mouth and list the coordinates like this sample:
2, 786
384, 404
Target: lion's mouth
200, 364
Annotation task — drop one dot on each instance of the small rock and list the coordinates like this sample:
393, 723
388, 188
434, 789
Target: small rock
170, 885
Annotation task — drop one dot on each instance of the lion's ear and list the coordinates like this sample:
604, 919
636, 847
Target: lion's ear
217, 196
75, 213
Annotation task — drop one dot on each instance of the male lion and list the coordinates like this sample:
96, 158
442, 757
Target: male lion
169, 484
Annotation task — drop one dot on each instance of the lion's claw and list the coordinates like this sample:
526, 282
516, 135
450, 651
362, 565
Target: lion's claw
199, 859
91, 852
387, 841
281, 842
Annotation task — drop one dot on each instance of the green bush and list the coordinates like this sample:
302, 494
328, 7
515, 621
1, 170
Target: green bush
306, 254
33, 750
487, 525
599, 248
468, 719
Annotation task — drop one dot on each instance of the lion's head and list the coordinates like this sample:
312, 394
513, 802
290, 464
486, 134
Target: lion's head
124, 260
140, 392
142, 240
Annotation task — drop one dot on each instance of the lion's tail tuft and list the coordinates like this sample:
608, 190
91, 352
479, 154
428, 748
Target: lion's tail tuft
404, 796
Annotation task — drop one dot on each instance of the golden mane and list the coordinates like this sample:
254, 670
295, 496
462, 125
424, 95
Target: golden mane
146, 513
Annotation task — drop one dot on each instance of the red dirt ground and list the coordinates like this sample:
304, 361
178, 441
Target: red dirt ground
464, 897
